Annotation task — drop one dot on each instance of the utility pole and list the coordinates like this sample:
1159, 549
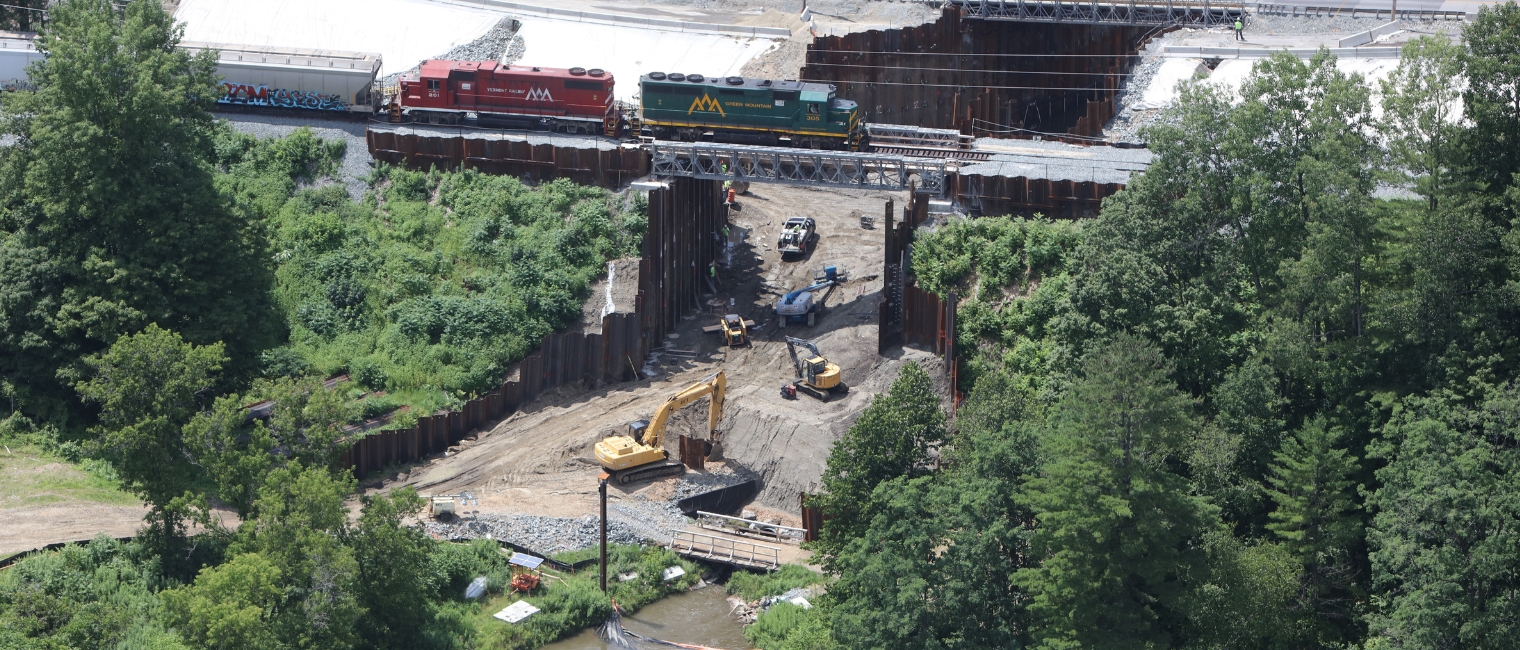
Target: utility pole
603, 490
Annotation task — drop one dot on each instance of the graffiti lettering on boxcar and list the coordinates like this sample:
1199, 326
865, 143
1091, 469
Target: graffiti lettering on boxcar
251, 95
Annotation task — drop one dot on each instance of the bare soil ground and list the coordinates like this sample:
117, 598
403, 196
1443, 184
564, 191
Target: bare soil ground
540, 461
29, 528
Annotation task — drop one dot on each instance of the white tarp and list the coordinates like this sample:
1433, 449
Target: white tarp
628, 51
516, 612
404, 32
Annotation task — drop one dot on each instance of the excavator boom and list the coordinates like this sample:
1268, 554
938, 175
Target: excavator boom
636, 457
714, 385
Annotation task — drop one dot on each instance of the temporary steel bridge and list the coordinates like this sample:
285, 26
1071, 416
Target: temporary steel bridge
1133, 12
754, 164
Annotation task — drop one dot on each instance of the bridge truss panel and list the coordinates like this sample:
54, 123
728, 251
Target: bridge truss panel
1134, 12
782, 165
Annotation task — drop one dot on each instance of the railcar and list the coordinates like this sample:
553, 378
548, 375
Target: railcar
692, 107
573, 100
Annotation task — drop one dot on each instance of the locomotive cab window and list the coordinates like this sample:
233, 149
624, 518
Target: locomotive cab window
432, 84
812, 109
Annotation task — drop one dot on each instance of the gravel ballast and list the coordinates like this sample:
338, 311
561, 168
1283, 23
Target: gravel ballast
356, 159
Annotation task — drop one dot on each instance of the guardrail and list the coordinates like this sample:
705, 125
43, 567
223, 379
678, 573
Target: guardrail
629, 20
748, 527
1190, 52
1143, 12
1354, 12
722, 549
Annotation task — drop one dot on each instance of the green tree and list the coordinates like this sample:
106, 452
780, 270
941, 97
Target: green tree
1420, 102
299, 529
110, 215
305, 423
394, 581
892, 438
1446, 523
934, 567
1317, 522
146, 386
1314, 492
1492, 67
234, 453
229, 607
1118, 530
1247, 598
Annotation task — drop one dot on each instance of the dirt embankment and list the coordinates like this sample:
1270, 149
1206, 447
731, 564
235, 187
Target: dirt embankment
540, 461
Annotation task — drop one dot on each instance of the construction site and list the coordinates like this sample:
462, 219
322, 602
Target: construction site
773, 298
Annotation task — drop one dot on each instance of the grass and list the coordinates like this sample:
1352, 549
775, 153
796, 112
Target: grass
571, 602
30, 477
754, 586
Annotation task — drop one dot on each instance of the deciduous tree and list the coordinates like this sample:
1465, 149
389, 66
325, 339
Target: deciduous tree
892, 438
110, 218
146, 386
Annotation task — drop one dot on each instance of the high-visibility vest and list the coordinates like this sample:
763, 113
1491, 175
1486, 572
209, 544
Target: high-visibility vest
1239, 26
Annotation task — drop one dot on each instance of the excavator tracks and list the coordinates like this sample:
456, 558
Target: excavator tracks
649, 472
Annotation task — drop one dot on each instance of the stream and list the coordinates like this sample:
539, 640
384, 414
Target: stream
697, 617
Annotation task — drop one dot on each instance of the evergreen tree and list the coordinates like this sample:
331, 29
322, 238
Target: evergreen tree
110, 218
1314, 492
1317, 523
1117, 527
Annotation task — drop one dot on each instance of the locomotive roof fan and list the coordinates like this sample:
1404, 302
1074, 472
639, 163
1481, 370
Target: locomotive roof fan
657, 76
596, 72
578, 71
695, 78
735, 81
676, 76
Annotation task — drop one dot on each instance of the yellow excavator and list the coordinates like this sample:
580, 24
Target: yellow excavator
818, 377
639, 456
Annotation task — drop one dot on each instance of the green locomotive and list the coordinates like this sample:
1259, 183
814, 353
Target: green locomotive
748, 111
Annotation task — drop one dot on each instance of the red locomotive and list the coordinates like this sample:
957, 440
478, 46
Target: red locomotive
576, 100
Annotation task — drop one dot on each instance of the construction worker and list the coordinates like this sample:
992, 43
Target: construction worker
1240, 33
712, 272
725, 233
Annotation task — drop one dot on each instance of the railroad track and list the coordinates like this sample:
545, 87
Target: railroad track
933, 152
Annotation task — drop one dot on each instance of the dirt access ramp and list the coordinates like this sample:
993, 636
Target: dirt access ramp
540, 460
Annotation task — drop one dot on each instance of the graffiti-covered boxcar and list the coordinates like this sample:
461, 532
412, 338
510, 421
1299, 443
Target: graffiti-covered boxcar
322, 80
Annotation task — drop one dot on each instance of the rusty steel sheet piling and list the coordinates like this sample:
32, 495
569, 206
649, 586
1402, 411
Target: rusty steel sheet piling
983, 78
684, 219
530, 156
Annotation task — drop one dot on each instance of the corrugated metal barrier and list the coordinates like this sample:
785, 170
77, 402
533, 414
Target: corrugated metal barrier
540, 162
683, 220
1000, 195
984, 78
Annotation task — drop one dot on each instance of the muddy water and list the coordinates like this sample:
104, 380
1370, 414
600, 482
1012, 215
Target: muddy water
696, 617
